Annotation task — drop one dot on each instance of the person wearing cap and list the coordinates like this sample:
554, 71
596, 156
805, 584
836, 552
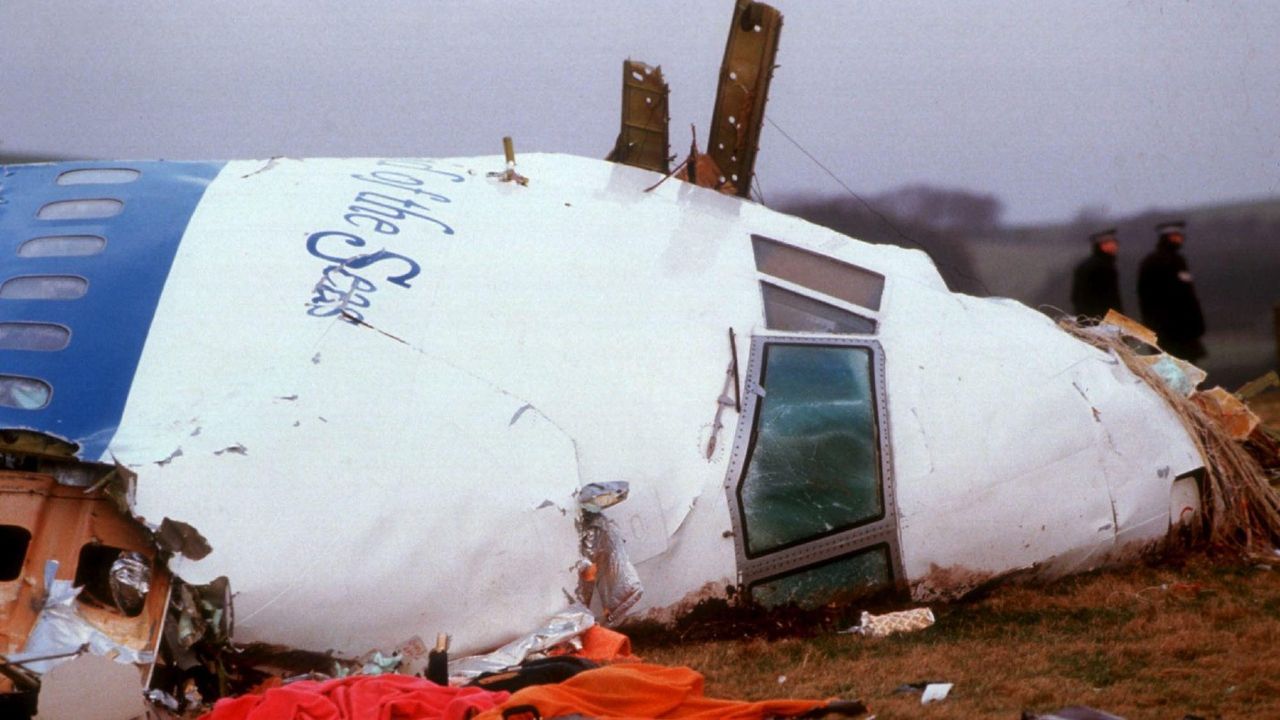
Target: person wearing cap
1167, 296
1095, 284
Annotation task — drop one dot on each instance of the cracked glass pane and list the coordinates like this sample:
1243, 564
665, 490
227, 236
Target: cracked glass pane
830, 582
792, 312
813, 464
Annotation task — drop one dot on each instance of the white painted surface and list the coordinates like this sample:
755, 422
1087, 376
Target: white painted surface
416, 476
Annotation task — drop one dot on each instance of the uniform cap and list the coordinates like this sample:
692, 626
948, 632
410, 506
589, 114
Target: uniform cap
1168, 228
1109, 234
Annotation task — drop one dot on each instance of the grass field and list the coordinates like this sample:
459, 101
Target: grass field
1192, 636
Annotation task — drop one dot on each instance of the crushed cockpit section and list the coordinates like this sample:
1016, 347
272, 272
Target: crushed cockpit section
79, 575
1239, 509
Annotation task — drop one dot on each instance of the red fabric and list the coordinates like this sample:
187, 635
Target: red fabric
637, 691
360, 697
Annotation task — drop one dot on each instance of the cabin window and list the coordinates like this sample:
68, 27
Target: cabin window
792, 312
14, 541
91, 209
44, 287
833, 581
812, 465
820, 273
24, 393
113, 577
33, 336
62, 246
98, 176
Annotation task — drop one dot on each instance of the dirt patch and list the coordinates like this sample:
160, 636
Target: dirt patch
942, 584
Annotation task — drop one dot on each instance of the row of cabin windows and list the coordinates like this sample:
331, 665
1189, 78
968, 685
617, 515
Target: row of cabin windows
26, 393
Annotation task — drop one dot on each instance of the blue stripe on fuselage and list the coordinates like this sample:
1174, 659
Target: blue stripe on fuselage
91, 377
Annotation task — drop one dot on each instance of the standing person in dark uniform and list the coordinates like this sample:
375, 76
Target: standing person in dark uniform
1095, 285
1168, 298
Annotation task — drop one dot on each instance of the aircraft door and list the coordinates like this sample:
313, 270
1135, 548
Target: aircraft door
809, 484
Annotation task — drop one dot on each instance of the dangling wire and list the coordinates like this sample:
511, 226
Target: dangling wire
884, 219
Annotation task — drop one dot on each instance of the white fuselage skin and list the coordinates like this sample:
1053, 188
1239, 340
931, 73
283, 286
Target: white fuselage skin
364, 483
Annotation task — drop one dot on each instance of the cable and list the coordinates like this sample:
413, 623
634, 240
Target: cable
872, 209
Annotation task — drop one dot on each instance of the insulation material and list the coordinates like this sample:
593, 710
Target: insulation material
617, 584
62, 631
559, 628
130, 580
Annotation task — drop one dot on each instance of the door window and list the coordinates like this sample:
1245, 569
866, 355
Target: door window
813, 465
831, 582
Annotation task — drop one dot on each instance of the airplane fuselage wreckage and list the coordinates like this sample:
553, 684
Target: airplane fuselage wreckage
385, 398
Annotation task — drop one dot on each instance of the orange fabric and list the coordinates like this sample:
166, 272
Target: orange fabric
605, 645
637, 691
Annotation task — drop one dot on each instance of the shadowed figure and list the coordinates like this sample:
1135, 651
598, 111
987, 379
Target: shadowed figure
1095, 284
1168, 296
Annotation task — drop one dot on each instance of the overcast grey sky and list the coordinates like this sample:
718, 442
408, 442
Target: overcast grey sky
1050, 106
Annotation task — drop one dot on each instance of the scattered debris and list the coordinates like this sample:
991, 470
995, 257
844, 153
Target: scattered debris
935, 692
175, 454
894, 622
745, 74
568, 624
1240, 510
437, 669
510, 174
180, 538
643, 140
1229, 411
595, 497
541, 671
609, 574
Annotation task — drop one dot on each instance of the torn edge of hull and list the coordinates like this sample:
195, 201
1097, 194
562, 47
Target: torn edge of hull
88, 576
1240, 511
606, 571
61, 632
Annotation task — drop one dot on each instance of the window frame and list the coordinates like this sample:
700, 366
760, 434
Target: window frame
778, 284
797, 556
890, 569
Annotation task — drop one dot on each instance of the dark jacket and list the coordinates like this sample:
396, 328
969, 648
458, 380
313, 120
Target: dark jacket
1169, 303
1095, 285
